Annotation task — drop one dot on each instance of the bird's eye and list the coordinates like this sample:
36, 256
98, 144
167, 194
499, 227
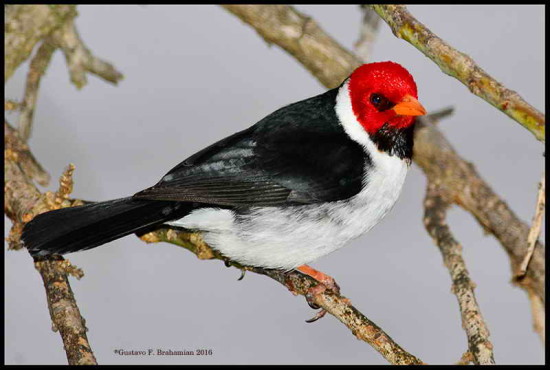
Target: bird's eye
380, 102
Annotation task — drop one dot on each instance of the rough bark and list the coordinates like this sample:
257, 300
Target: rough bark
463, 68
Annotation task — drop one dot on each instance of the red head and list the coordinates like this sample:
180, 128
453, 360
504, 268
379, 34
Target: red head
384, 92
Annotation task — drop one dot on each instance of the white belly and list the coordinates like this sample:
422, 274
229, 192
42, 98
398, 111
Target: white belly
288, 237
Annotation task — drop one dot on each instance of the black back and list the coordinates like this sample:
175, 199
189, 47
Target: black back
299, 154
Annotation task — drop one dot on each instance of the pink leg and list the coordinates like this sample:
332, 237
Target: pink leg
325, 282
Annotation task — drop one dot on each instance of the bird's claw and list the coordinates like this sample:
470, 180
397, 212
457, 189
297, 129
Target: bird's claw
325, 282
317, 316
310, 299
243, 271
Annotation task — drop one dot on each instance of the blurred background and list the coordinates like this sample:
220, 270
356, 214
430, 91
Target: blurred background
195, 74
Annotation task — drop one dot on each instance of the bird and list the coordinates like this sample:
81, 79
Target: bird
297, 185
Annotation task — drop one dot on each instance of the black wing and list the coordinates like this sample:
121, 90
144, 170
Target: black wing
297, 155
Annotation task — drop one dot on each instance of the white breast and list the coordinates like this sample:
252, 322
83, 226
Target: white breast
288, 237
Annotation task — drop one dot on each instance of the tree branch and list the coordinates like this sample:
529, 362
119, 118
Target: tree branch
432, 152
463, 186
66, 317
330, 63
37, 68
25, 26
534, 232
22, 201
480, 348
25, 200
334, 303
367, 35
463, 287
80, 59
302, 38
462, 67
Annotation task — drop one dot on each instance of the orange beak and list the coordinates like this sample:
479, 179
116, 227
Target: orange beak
409, 106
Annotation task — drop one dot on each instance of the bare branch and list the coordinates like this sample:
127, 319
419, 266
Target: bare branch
462, 67
463, 185
330, 63
25, 26
80, 59
538, 313
435, 155
435, 214
20, 167
10, 105
466, 359
25, 202
22, 201
432, 152
64, 312
301, 37
367, 35
534, 232
334, 303
37, 68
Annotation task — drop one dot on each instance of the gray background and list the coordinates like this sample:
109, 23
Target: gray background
194, 74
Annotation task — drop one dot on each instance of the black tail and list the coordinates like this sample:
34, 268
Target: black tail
72, 229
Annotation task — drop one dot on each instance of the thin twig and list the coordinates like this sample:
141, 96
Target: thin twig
438, 115
462, 67
80, 59
435, 207
10, 105
37, 68
466, 359
534, 232
538, 313
367, 33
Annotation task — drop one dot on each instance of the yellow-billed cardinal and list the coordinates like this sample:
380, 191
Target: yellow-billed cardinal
295, 186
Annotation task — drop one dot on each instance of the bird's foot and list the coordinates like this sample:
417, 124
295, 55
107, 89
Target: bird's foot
325, 282
243, 271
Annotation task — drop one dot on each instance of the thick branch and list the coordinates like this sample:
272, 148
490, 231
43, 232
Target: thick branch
462, 67
64, 312
20, 167
462, 286
459, 179
22, 201
461, 184
25, 26
432, 151
298, 283
301, 37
